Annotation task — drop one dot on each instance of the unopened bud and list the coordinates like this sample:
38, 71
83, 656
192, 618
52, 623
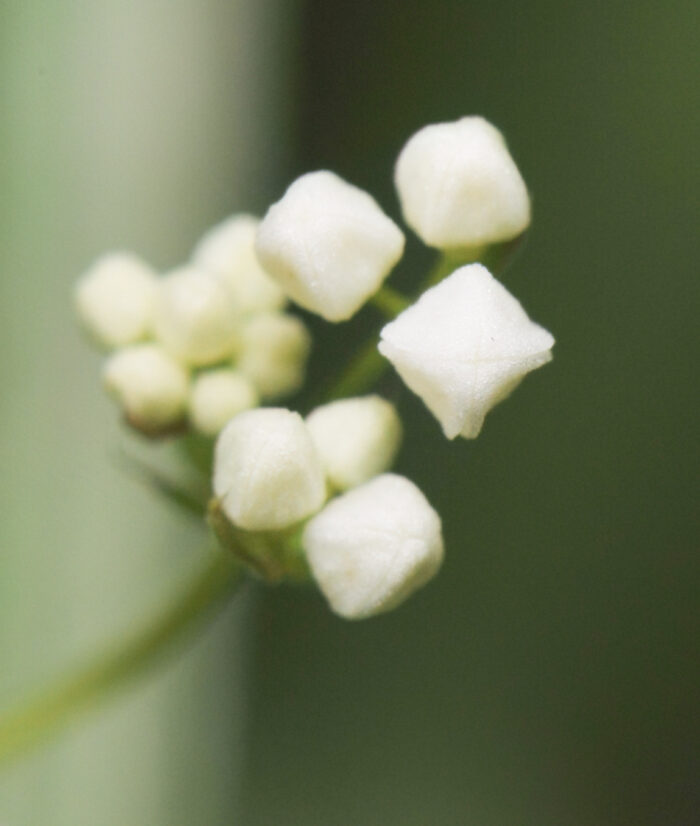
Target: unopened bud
195, 317
217, 396
459, 186
273, 354
267, 474
328, 244
228, 250
355, 438
114, 299
463, 347
372, 547
149, 384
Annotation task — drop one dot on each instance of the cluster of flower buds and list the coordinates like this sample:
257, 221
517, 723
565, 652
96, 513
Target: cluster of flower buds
297, 496
196, 345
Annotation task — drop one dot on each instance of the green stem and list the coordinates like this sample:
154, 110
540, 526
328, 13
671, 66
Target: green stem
390, 302
31, 723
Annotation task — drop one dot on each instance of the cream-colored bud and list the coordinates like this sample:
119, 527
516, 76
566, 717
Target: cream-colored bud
267, 474
355, 438
114, 299
216, 396
328, 244
149, 384
196, 317
463, 347
459, 186
372, 547
273, 354
228, 250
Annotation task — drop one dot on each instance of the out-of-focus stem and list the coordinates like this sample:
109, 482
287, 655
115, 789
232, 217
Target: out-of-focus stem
32, 723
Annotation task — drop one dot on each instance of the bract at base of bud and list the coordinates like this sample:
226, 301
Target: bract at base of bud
273, 556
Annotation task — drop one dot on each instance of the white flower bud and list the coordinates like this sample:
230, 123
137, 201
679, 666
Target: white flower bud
216, 396
267, 474
459, 186
149, 384
372, 547
114, 299
463, 347
274, 350
328, 244
355, 438
196, 317
228, 250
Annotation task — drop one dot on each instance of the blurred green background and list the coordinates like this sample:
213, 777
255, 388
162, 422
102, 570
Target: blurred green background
550, 674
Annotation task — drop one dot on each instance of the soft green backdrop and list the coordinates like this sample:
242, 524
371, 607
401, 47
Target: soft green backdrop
549, 676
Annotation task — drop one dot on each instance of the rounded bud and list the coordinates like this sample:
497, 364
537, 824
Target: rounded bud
267, 474
216, 396
355, 438
228, 250
372, 547
114, 299
463, 347
149, 384
195, 317
459, 186
273, 354
328, 244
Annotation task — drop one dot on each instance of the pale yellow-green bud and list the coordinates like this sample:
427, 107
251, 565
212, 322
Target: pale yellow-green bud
216, 396
273, 353
114, 299
356, 438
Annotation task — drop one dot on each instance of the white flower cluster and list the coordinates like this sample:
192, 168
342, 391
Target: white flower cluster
209, 341
370, 547
198, 344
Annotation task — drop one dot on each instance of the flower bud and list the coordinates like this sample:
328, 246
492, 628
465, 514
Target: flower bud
196, 317
372, 547
267, 474
463, 347
459, 186
228, 250
149, 384
328, 244
355, 438
274, 351
216, 396
114, 299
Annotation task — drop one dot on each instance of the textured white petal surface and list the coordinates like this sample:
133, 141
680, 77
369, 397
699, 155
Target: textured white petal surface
459, 186
217, 396
356, 438
228, 250
114, 299
328, 244
372, 547
150, 385
267, 474
196, 317
464, 346
273, 354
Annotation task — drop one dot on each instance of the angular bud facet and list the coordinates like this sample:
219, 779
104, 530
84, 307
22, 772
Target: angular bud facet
463, 347
328, 244
372, 547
